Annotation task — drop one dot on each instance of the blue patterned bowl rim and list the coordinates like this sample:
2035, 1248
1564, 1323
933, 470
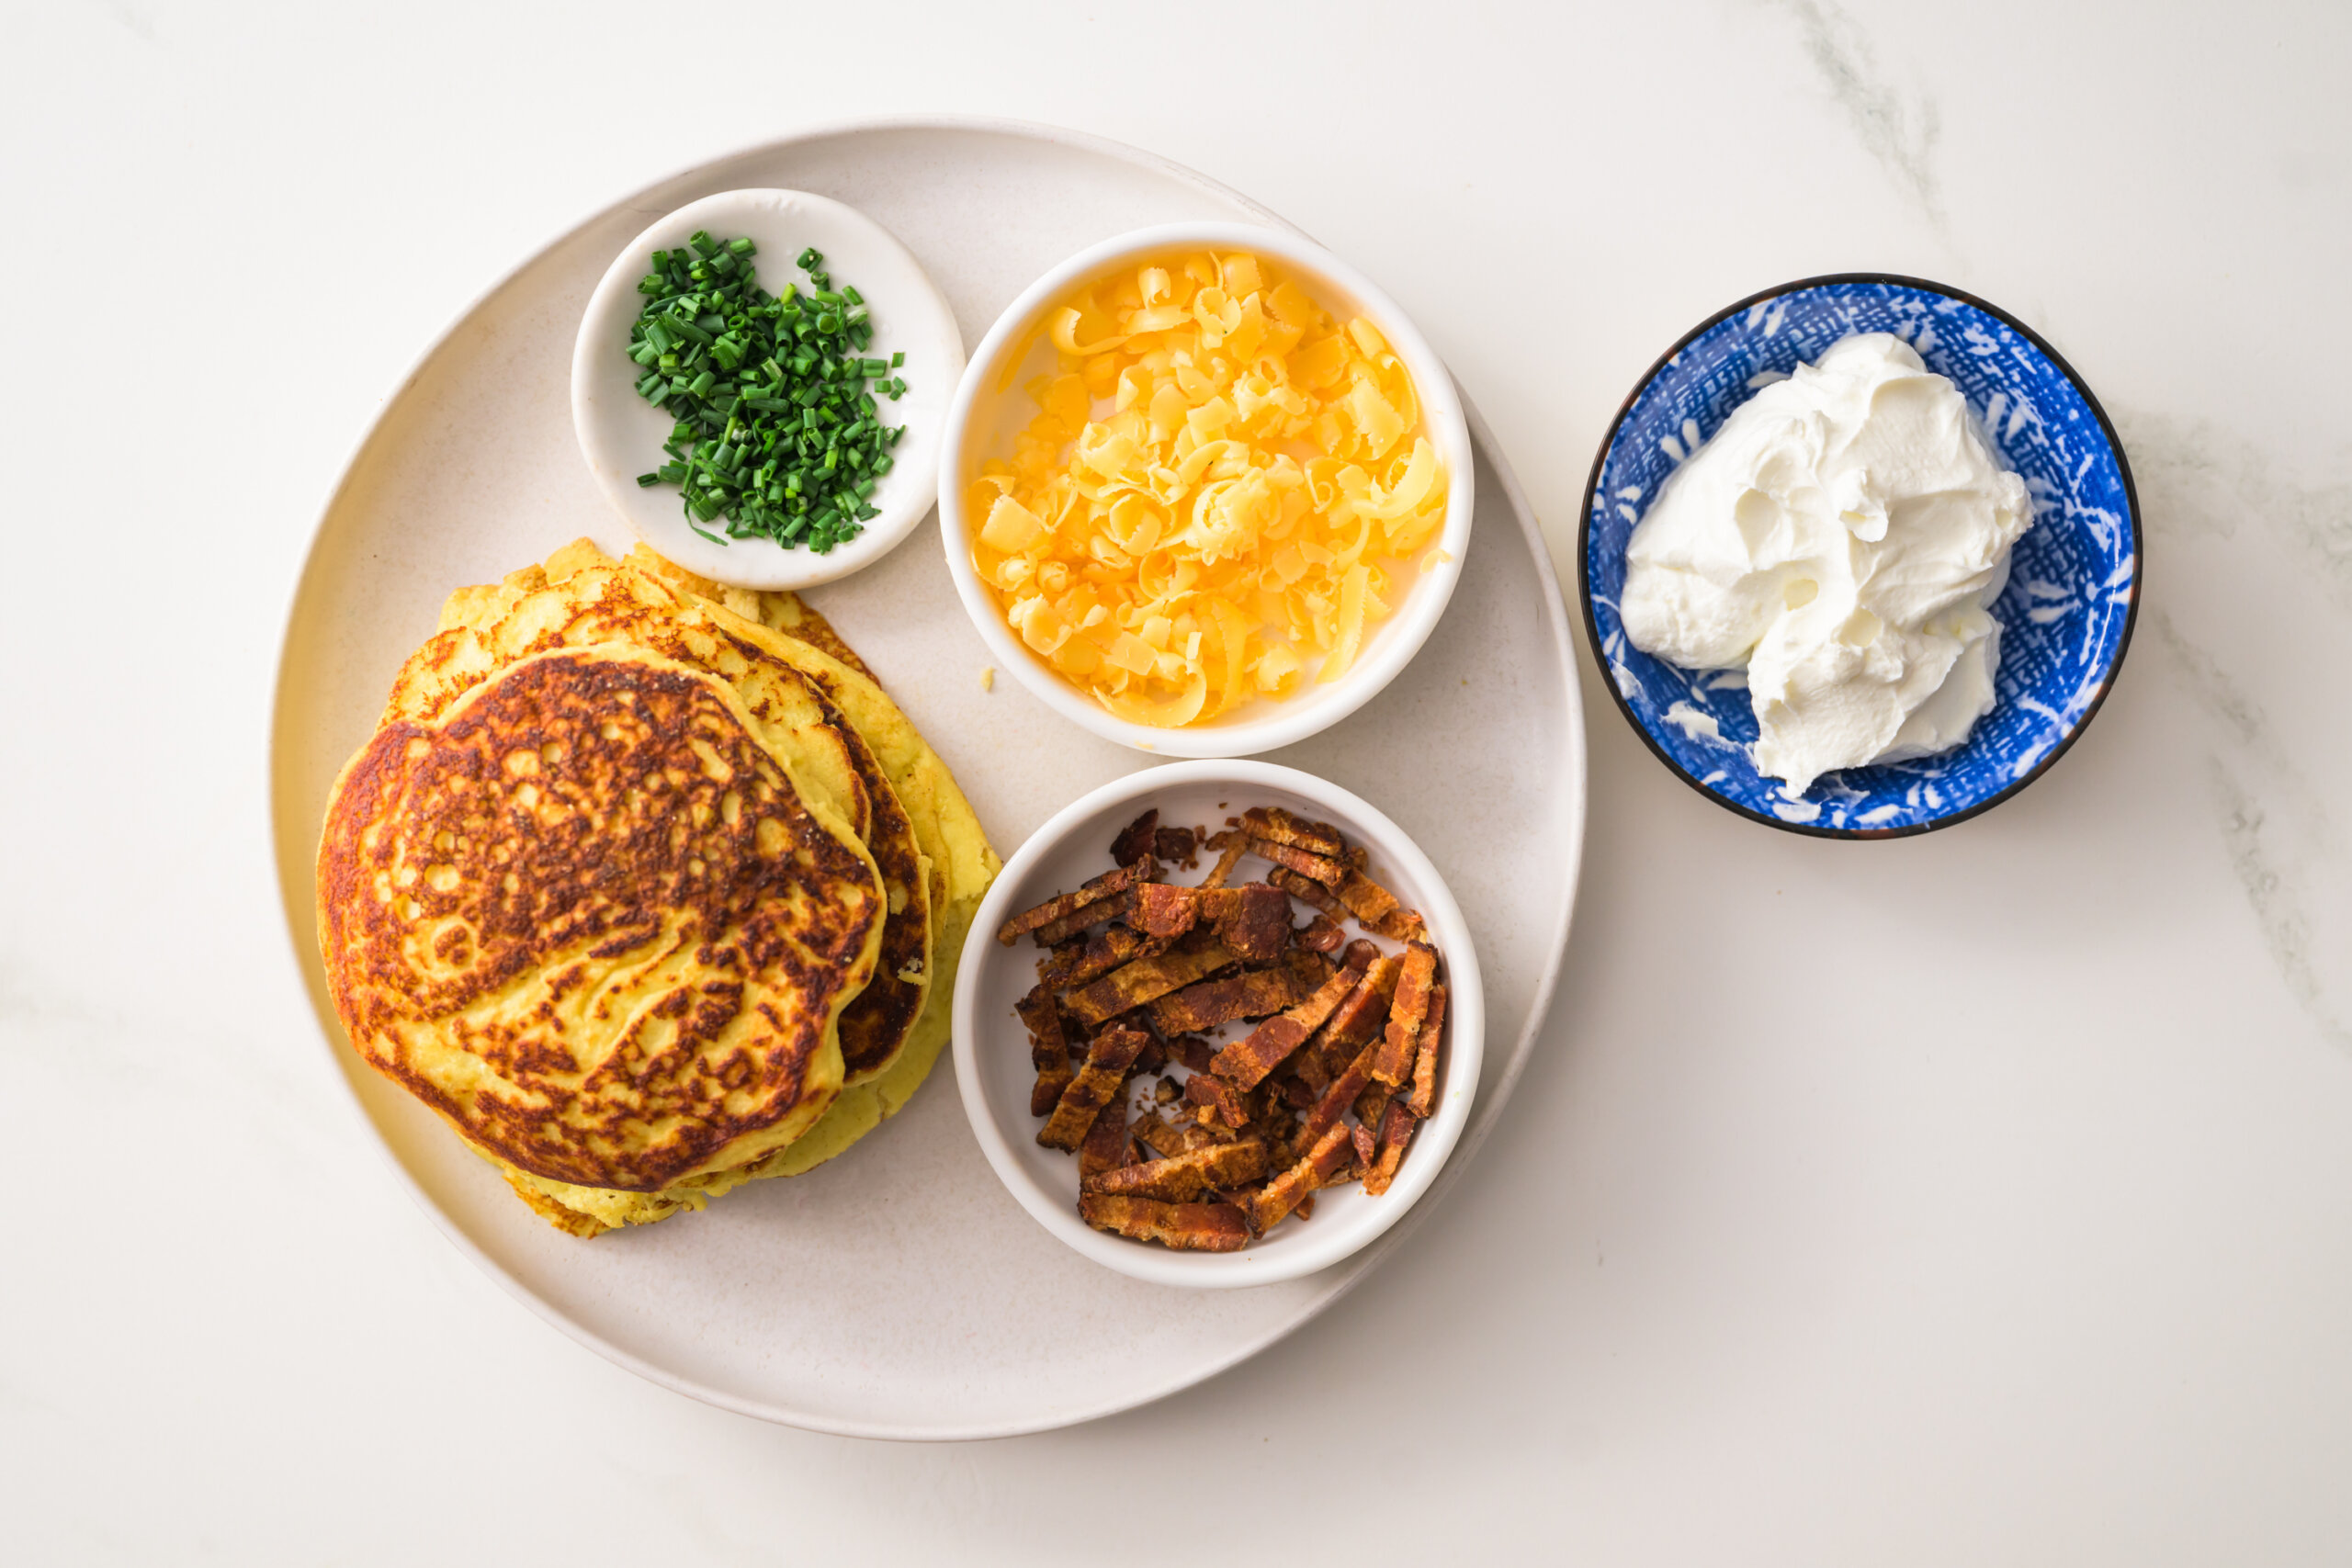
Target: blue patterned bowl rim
1835, 280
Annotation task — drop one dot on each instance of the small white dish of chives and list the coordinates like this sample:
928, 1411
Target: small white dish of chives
759, 387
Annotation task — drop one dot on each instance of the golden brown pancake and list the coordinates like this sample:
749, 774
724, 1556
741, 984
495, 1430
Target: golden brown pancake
582, 598
590, 917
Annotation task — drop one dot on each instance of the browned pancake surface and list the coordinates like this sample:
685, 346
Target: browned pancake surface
587, 918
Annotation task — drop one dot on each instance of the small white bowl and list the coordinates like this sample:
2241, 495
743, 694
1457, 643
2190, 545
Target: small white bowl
992, 1067
983, 420
621, 433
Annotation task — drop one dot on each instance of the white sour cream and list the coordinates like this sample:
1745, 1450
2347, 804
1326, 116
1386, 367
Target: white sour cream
1840, 538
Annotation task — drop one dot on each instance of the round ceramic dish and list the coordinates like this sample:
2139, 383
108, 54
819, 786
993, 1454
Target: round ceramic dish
2066, 614
992, 1065
990, 408
621, 433
900, 1292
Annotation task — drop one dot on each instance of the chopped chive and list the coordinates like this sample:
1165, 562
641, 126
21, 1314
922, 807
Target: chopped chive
771, 396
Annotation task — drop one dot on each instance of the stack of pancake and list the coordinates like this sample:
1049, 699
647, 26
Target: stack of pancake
646, 887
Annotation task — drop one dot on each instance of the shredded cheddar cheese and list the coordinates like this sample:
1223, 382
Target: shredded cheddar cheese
1217, 496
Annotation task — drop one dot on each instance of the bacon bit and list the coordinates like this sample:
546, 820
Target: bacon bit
1218, 1098
1117, 907
1252, 920
1144, 980
1062, 905
1401, 925
1297, 1093
1247, 1062
1395, 1134
1177, 846
1253, 993
1341, 1094
1075, 964
1107, 1145
1180, 1179
1372, 1104
1274, 825
1307, 890
1048, 1049
1192, 1051
1357, 1018
1099, 1083
1230, 847
1154, 1055
1365, 899
1137, 840
1405, 1012
1166, 910
1328, 872
1319, 935
1307, 1067
1054, 1078
1366, 1145
1306, 1210
1424, 1096
1283, 1195
1358, 956
1183, 1227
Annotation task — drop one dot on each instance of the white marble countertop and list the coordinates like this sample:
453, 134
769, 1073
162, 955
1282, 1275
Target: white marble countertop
1980, 1197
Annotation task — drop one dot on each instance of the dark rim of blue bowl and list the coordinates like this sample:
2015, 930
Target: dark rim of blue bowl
1832, 280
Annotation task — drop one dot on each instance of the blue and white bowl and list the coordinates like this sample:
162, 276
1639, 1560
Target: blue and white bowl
2066, 615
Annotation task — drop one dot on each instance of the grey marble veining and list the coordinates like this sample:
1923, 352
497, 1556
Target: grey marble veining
1898, 126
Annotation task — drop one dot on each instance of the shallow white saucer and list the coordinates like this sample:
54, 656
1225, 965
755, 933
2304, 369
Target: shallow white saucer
621, 433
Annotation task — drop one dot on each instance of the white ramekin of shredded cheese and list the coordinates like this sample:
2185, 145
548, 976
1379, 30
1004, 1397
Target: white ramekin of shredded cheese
1204, 489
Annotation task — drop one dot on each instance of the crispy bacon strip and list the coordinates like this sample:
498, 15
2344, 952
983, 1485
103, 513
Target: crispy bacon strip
1321, 868
1166, 910
1230, 847
1358, 956
1372, 1103
1144, 980
1309, 890
1184, 1227
1366, 900
1357, 1018
1181, 1178
1339, 1096
1137, 840
1217, 1099
1319, 935
1246, 1061
1297, 1093
1277, 826
1062, 905
1159, 1136
1108, 1145
1177, 846
1253, 919
1117, 907
1048, 1050
1098, 1083
1075, 964
1424, 1095
1192, 1051
1280, 1196
1253, 993
1367, 1146
1395, 1134
1405, 1012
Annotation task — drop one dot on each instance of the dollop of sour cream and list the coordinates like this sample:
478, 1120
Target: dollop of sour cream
1841, 538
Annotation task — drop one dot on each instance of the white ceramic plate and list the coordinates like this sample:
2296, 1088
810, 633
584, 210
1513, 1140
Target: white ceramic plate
900, 1292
